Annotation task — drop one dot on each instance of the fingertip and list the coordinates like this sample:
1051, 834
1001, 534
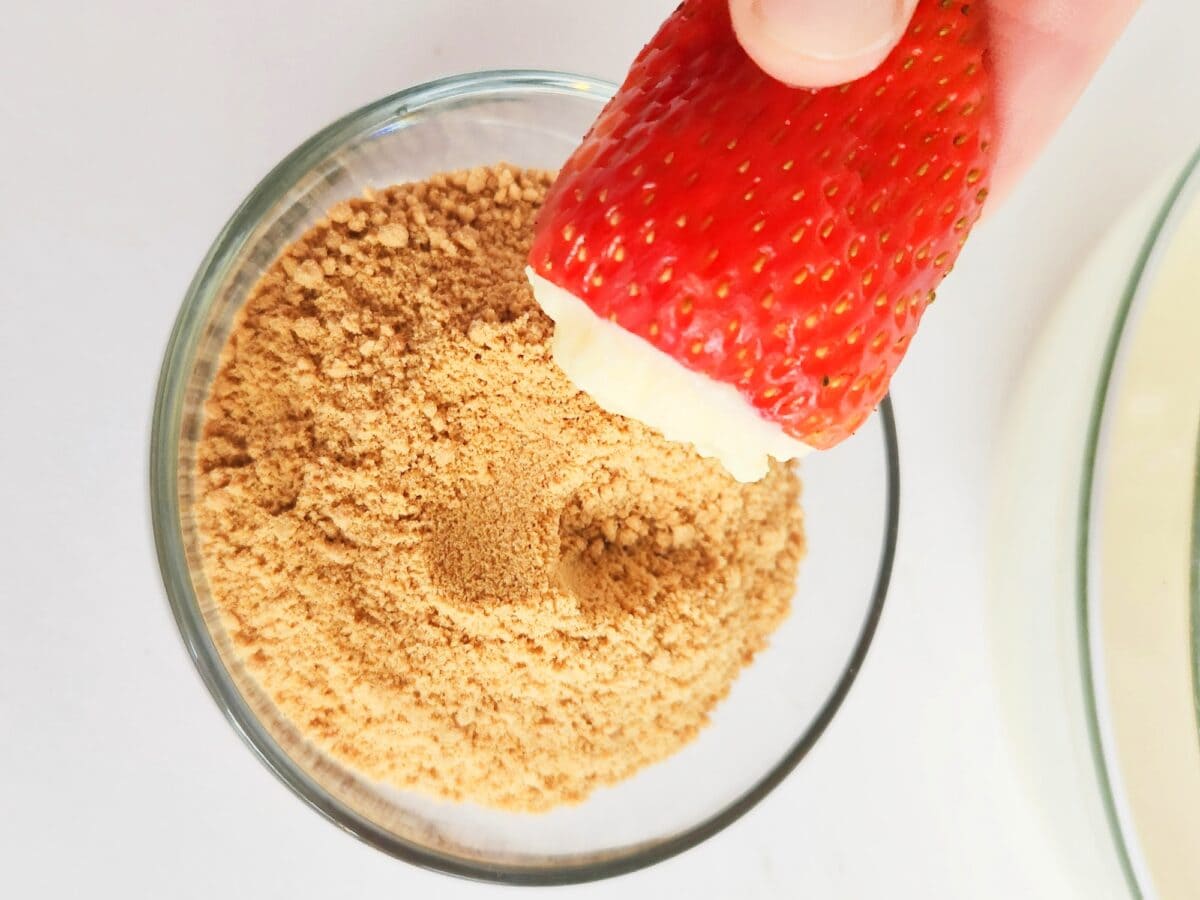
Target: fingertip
818, 43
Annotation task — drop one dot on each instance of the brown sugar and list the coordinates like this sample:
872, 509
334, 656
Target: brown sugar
445, 565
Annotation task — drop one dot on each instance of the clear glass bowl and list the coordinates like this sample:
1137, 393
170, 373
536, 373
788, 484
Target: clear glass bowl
777, 709
1138, 586
1096, 558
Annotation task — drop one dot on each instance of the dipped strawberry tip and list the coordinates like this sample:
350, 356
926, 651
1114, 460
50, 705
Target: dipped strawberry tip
746, 276
653, 388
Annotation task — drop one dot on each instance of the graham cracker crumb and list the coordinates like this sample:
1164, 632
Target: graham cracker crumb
449, 568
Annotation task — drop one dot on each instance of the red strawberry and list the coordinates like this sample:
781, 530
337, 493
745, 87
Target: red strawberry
783, 241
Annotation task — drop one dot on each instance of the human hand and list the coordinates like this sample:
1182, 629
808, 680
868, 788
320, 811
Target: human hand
1043, 52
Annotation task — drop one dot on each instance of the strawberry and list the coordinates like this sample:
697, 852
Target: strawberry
782, 241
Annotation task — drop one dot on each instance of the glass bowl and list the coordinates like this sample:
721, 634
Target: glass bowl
778, 707
1138, 586
1096, 619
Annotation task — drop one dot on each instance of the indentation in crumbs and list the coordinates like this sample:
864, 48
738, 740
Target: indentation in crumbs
447, 567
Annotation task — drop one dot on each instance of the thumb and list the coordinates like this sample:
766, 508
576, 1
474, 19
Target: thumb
816, 43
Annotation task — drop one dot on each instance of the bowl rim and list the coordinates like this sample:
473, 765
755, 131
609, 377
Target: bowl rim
165, 430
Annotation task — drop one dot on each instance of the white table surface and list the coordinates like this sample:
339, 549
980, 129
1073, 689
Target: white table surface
128, 133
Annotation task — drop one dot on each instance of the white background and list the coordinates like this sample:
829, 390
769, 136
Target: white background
128, 133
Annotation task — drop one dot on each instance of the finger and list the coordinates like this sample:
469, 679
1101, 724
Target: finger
816, 43
1043, 53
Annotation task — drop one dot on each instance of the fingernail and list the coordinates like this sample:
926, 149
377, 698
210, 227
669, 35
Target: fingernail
831, 29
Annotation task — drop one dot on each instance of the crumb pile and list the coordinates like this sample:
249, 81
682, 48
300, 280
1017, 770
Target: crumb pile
450, 569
